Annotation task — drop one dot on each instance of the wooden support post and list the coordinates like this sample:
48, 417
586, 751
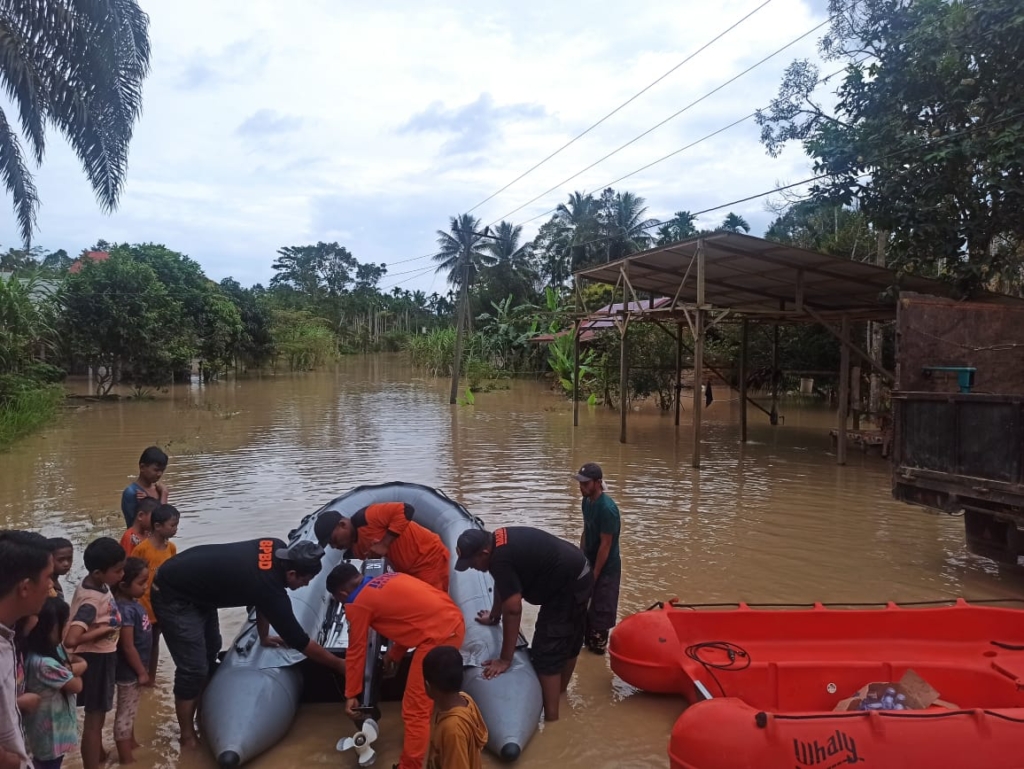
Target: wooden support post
576, 358
698, 356
844, 392
679, 368
576, 373
698, 380
855, 405
623, 380
773, 417
744, 339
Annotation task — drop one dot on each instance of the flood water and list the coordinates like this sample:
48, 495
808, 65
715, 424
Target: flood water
773, 521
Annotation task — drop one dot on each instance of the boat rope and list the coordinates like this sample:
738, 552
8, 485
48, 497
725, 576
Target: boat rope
761, 719
739, 659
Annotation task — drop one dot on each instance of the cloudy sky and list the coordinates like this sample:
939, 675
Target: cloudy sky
269, 124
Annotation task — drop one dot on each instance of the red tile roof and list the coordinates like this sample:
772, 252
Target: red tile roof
93, 256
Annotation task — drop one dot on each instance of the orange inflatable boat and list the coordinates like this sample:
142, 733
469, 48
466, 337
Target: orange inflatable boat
763, 684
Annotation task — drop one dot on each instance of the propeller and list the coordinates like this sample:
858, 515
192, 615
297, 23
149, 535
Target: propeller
362, 742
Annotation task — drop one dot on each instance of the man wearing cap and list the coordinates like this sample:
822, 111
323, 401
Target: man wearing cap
531, 565
387, 529
191, 586
600, 544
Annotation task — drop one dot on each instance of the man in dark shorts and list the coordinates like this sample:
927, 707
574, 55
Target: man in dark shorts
600, 544
191, 586
531, 565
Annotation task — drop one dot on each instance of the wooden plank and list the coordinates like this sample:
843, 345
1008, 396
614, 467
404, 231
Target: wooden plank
744, 343
844, 393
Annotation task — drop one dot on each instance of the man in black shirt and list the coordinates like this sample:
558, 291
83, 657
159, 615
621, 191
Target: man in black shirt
531, 565
190, 587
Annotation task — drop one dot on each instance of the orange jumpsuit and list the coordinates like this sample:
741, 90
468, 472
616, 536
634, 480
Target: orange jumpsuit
416, 551
411, 614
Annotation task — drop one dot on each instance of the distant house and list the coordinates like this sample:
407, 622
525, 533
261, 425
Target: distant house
93, 256
601, 320
40, 288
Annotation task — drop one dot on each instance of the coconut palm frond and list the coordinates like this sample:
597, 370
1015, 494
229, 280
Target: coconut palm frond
17, 179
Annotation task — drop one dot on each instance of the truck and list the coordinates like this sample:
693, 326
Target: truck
958, 417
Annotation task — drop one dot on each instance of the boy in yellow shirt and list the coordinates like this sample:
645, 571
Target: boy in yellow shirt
459, 733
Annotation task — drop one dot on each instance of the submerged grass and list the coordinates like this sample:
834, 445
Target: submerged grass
24, 411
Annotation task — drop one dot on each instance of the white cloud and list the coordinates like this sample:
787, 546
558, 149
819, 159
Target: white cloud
270, 124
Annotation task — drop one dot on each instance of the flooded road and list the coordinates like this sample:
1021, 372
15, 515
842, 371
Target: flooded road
774, 521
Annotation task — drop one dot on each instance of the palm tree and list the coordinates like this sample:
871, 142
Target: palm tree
77, 66
460, 252
578, 221
679, 227
734, 223
513, 272
625, 226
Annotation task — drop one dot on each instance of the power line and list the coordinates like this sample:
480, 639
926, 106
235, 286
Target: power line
666, 120
624, 104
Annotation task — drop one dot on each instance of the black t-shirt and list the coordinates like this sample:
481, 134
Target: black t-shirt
534, 563
235, 574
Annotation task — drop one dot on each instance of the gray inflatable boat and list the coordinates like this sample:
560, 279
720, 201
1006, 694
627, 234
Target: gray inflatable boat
250, 703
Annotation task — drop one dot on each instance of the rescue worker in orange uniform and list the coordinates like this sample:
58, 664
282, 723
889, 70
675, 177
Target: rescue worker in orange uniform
387, 529
411, 614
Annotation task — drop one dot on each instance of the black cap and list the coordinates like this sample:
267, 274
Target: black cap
591, 471
324, 526
303, 552
470, 543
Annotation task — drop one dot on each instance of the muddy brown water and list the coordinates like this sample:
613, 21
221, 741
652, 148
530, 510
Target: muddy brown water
773, 521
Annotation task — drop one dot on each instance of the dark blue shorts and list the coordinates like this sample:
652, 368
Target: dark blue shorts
558, 636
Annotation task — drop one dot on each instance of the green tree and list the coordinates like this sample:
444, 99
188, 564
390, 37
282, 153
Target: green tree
679, 227
118, 316
578, 229
461, 251
623, 226
256, 346
513, 273
734, 223
76, 67
927, 131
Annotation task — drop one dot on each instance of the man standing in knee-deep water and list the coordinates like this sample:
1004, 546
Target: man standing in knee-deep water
600, 544
191, 586
531, 565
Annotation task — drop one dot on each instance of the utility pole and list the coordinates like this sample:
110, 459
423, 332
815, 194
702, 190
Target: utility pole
463, 310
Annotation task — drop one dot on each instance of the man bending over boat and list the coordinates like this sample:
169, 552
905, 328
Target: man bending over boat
412, 614
387, 529
531, 565
191, 586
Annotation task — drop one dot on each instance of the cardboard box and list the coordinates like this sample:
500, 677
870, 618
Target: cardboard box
919, 694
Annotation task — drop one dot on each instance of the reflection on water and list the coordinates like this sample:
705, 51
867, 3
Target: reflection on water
774, 521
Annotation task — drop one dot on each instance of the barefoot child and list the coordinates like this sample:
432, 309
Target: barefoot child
459, 733
134, 650
156, 549
92, 634
63, 556
152, 465
51, 732
139, 530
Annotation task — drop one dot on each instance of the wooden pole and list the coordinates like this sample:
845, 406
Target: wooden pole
679, 367
744, 339
698, 356
774, 416
623, 380
844, 392
463, 309
855, 404
576, 373
698, 380
875, 348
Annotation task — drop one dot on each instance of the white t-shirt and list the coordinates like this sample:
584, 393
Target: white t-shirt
12, 739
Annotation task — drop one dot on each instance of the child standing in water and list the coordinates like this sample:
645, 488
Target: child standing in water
92, 633
51, 731
138, 531
134, 651
63, 556
459, 733
152, 465
156, 549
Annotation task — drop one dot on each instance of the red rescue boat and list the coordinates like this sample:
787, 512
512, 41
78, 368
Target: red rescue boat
763, 683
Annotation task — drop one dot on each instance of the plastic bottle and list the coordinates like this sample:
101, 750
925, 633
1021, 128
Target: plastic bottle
901, 702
